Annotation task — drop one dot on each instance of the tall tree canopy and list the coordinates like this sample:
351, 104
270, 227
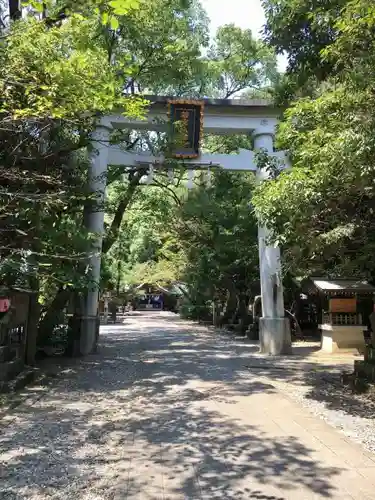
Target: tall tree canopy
205, 237
62, 63
322, 209
302, 29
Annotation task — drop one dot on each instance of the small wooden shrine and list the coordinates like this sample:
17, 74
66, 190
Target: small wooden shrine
156, 296
149, 296
341, 309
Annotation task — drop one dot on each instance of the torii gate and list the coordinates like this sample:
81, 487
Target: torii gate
256, 117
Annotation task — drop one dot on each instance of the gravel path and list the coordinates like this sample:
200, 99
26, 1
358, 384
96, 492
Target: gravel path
164, 412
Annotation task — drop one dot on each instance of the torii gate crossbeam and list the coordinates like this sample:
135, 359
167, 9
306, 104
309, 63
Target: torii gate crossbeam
257, 118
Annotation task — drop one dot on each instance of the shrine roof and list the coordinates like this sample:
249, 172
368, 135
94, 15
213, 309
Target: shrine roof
339, 285
175, 288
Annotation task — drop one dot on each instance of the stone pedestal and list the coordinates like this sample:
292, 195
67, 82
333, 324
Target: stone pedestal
343, 338
274, 336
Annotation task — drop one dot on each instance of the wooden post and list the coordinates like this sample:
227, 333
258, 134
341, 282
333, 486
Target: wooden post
32, 329
372, 320
214, 313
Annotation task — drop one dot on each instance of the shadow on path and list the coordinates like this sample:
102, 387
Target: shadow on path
139, 405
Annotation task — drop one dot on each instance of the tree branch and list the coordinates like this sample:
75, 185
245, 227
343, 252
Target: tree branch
176, 199
113, 231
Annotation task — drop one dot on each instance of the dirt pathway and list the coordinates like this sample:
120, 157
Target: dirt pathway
167, 410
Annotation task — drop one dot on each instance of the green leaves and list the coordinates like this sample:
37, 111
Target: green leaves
62, 73
122, 7
206, 237
105, 18
108, 11
162, 45
115, 9
329, 188
114, 23
36, 5
235, 63
301, 29
323, 207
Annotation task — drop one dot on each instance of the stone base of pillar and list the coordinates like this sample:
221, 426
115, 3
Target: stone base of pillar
274, 336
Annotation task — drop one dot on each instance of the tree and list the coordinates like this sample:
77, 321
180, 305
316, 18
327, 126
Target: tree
234, 63
147, 246
211, 220
163, 41
189, 236
52, 87
322, 210
302, 29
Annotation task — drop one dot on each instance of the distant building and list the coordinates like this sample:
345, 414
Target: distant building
157, 297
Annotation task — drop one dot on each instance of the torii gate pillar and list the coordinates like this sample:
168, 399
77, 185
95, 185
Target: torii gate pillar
94, 222
274, 328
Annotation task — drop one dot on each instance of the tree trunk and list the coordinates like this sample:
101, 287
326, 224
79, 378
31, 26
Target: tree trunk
34, 284
257, 307
74, 327
52, 317
214, 313
230, 307
119, 267
372, 321
15, 9
114, 228
234, 318
243, 313
32, 329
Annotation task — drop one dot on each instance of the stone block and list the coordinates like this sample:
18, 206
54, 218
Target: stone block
10, 369
343, 338
4, 353
274, 336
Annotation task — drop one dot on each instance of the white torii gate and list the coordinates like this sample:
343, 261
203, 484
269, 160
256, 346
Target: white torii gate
258, 118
